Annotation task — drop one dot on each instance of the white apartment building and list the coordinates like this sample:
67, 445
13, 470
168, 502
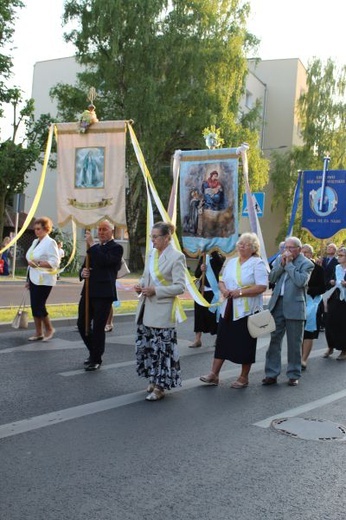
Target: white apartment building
276, 83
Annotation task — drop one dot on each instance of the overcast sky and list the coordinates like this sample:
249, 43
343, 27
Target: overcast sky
292, 29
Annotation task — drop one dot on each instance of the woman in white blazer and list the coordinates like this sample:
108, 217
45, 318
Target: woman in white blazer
158, 311
43, 260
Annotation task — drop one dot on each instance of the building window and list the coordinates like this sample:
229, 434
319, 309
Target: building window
248, 100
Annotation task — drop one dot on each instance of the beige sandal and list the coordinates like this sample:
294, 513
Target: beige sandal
156, 395
211, 379
238, 384
50, 335
196, 344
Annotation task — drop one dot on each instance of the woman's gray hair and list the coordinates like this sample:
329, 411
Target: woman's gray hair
310, 248
166, 228
252, 239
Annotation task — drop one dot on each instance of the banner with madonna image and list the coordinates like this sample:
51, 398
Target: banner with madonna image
91, 173
209, 200
324, 200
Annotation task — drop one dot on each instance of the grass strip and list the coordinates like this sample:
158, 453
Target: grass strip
70, 310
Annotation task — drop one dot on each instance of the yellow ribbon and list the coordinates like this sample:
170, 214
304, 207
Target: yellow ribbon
239, 282
178, 313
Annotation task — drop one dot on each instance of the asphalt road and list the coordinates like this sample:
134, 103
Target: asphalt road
87, 446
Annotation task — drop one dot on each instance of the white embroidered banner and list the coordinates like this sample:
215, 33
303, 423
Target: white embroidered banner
91, 173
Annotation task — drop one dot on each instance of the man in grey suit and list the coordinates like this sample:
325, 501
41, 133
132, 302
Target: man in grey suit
290, 273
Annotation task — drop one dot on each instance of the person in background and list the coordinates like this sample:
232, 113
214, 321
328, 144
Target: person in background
205, 321
313, 299
158, 310
61, 253
271, 263
109, 324
104, 263
336, 310
6, 256
328, 263
43, 261
290, 273
244, 280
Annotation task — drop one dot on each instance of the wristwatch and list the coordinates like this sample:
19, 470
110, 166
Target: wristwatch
240, 293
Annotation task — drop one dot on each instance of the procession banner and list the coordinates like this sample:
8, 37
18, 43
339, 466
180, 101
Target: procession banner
91, 173
152, 195
324, 204
209, 200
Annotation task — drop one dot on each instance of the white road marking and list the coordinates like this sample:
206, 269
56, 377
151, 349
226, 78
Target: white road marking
293, 412
52, 418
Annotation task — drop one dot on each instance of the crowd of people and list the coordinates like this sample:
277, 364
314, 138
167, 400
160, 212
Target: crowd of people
308, 295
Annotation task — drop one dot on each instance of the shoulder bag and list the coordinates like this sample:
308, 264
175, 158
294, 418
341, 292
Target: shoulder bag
124, 270
260, 323
21, 318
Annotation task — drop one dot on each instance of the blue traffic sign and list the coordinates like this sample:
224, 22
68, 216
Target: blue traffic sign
258, 202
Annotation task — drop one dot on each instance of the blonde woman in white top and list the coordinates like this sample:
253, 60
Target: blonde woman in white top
244, 280
43, 261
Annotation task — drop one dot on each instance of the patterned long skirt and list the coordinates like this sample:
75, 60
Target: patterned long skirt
157, 356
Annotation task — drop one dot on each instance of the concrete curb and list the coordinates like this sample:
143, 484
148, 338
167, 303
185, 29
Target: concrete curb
71, 322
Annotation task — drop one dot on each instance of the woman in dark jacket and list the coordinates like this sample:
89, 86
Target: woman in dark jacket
316, 288
205, 321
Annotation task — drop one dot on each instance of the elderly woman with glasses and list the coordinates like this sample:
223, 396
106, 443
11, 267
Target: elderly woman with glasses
158, 311
43, 261
335, 327
244, 280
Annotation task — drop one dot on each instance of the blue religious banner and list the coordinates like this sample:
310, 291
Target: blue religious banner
209, 200
324, 200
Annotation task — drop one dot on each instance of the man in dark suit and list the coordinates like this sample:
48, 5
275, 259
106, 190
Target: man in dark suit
329, 263
290, 273
104, 264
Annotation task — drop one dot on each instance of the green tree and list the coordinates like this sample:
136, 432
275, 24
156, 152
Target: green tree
322, 114
174, 67
18, 155
7, 27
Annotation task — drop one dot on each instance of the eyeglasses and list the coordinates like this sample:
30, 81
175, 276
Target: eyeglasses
291, 248
341, 255
155, 236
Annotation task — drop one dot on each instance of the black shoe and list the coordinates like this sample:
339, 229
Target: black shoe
293, 382
87, 361
92, 366
269, 381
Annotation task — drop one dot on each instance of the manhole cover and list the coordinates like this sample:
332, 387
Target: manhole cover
310, 429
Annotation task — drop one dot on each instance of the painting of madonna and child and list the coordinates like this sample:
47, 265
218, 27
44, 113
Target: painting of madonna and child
208, 199
90, 167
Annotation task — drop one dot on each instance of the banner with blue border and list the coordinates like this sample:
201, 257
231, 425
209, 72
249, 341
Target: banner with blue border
324, 203
209, 200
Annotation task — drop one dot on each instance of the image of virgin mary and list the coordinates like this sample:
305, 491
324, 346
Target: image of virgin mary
213, 193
